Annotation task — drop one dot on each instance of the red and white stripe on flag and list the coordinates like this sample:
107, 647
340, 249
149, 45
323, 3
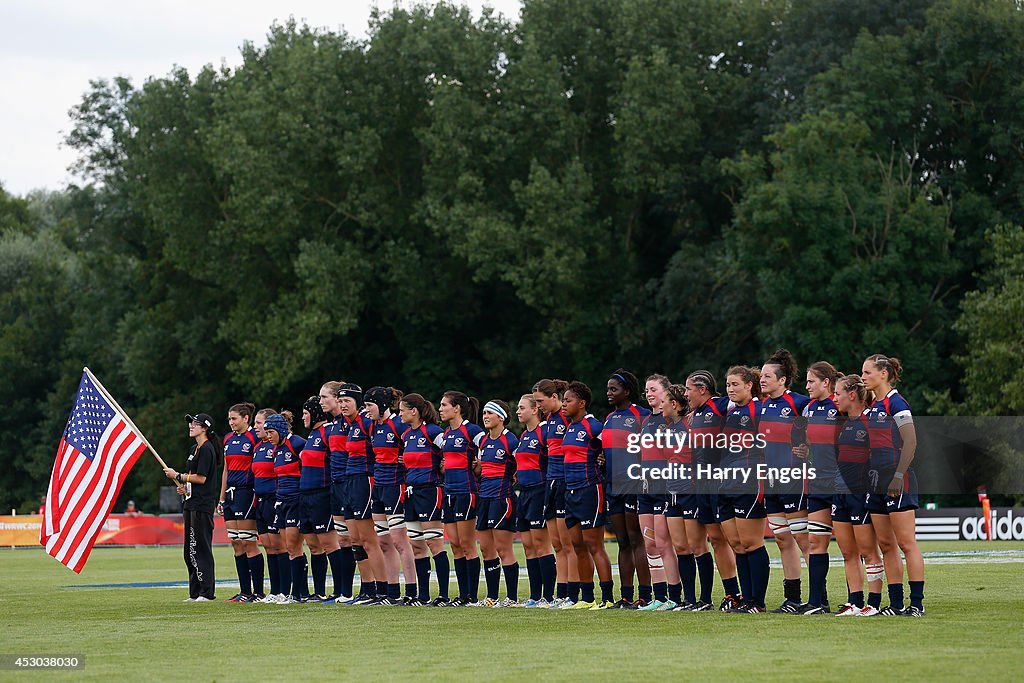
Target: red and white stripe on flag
96, 452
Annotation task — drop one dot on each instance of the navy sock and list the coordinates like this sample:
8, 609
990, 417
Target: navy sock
473, 577
382, 589
395, 591
318, 567
817, 572
607, 591
443, 570
563, 590
548, 577
586, 591
731, 586
334, 559
244, 580
346, 575
410, 590
675, 593
706, 571
511, 572
460, 576
896, 595
875, 600
660, 591
626, 592
791, 589
760, 572
492, 575
423, 579
743, 571
533, 573
273, 567
574, 591
284, 569
369, 588
256, 572
300, 577
857, 598
688, 577
646, 593
917, 594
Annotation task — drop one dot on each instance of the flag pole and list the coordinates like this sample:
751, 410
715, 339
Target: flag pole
106, 395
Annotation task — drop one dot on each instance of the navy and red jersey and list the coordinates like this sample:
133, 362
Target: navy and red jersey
854, 455
238, 450
315, 458
580, 447
387, 447
741, 431
422, 455
775, 424
823, 425
264, 478
337, 440
530, 458
459, 447
652, 425
287, 467
706, 424
360, 447
497, 465
554, 432
885, 417
618, 427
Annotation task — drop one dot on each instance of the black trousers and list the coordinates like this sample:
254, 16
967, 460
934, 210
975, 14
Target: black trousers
199, 553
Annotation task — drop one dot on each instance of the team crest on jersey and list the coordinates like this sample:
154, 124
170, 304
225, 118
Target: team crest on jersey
560, 429
581, 436
882, 415
708, 417
246, 447
833, 413
391, 437
316, 442
861, 435
629, 421
532, 443
745, 420
355, 432
786, 412
500, 453
459, 443
421, 442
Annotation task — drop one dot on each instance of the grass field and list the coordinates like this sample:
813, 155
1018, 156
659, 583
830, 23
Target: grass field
973, 628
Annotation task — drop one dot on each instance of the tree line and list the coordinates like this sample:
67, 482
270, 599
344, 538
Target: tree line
478, 203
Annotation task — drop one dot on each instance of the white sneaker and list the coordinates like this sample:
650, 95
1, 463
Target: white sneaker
202, 599
848, 610
342, 599
543, 604
189, 600
868, 611
509, 602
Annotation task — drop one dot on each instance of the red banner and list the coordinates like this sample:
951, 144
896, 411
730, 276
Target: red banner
23, 530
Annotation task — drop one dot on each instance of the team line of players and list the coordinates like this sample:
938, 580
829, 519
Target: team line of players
378, 484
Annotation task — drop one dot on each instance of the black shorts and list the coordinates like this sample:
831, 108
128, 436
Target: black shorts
498, 514
288, 515
785, 503
817, 502
646, 504
339, 497
458, 507
315, 511
388, 499
586, 506
620, 505
239, 504
423, 503
743, 505
265, 514
700, 507
360, 497
530, 508
554, 499
851, 508
885, 504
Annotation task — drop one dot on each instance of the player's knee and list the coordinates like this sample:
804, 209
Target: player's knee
779, 525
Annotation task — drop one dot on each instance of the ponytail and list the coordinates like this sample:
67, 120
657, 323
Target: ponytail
787, 365
246, 410
825, 371
468, 405
891, 365
428, 415
552, 387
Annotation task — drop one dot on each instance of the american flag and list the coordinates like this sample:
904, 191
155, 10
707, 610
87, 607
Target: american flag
97, 450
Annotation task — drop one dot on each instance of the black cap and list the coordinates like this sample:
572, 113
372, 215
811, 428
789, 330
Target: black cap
201, 418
